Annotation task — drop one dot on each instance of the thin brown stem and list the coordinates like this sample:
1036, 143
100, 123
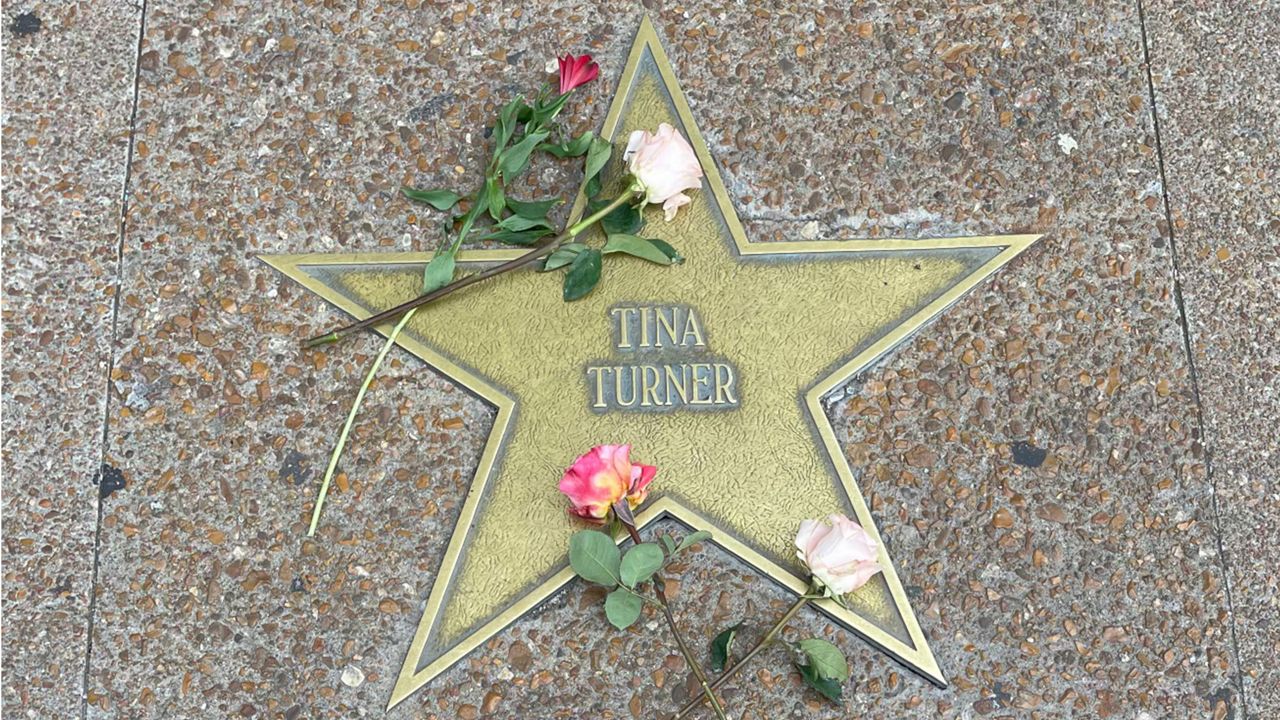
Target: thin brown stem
733, 669
545, 248
660, 587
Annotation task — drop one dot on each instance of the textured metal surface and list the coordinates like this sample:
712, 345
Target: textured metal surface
793, 321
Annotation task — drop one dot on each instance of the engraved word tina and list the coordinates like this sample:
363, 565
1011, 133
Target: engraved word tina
670, 367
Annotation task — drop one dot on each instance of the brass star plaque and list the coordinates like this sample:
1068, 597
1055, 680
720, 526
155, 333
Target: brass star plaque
715, 369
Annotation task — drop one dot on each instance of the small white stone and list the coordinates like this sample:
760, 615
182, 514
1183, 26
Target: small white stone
1067, 143
352, 676
438, 38
552, 66
810, 230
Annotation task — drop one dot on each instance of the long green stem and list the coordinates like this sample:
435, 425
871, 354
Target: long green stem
351, 418
734, 668
545, 248
660, 587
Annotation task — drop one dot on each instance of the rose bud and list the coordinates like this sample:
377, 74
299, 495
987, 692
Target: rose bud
664, 166
603, 476
841, 555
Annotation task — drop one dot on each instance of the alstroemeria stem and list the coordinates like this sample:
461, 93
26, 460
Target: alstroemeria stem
351, 418
732, 670
660, 588
546, 248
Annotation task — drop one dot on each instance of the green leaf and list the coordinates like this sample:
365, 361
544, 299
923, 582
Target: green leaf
643, 248
547, 111
665, 247
439, 272
597, 158
507, 120
693, 539
721, 646
481, 204
669, 544
497, 200
438, 199
583, 275
623, 219
594, 556
622, 607
593, 186
515, 160
523, 238
563, 256
534, 210
640, 563
829, 688
574, 148
516, 223
827, 660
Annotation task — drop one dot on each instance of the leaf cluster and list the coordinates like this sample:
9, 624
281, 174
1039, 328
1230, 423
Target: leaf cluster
597, 558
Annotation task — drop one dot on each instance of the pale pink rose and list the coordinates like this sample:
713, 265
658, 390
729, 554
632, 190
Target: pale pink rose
664, 165
603, 476
839, 553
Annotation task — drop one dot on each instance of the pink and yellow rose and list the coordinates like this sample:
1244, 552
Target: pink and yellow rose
603, 476
839, 553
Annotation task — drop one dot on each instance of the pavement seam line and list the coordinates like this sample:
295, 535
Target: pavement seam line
115, 320
1180, 303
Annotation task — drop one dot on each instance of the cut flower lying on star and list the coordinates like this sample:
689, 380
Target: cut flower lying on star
660, 169
604, 486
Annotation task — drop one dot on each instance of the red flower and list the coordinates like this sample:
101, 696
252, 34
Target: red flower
575, 71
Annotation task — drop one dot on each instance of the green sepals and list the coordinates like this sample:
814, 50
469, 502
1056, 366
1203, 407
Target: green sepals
597, 157
623, 607
534, 210
439, 272
721, 646
517, 223
826, 659
830, 689
438, 199
516, 159
595, 557
692, 539
640, 563
508, 118
584, 273
643, 248
576, 147
522, 238
495, 197
564, 255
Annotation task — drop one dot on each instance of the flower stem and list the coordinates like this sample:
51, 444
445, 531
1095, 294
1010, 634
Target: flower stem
660, 587
351, 418
546, 248
765, 641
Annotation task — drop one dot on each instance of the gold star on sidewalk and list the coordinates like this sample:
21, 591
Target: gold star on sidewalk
715, 370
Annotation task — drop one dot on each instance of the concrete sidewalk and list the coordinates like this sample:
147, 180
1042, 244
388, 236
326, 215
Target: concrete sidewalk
164, 435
